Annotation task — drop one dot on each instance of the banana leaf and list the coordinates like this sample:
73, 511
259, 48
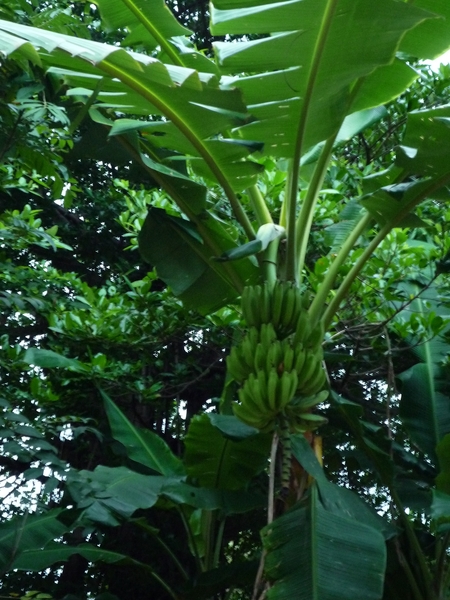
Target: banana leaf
314, 554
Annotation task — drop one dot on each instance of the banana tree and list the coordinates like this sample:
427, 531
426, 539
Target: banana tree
302, 77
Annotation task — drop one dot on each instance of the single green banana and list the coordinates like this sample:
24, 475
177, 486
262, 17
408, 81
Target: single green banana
253, 336
287, 386
266, 303
307, 371
316, 381
236, 366
287, 309
274, 356
260, 390
243, 413
312, 418
277, 304
300, 358
250, 304
247, 351
288, 357
302, 329
272, 390
303, 403
259, 357
294, 383
267, 335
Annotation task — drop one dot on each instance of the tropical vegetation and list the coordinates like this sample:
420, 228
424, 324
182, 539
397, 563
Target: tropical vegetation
224, 336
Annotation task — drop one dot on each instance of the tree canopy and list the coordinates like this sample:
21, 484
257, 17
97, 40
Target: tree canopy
225, 301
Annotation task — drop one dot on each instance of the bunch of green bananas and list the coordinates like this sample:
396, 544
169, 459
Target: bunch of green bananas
278, 363
281, 305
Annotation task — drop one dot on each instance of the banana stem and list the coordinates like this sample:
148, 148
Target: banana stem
283, 217
291, 250
259, 205
318, 303
304, 221
269, 262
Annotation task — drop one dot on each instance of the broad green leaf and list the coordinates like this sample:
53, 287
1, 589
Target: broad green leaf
312, 79
426, 144
228, 501
28, 532
393, 204
37, 560
149, 23
108, 495
175, 248
171, 175
431, 38
314, 554
191, 102
443, 454
219, 462
424, 408
231, 426
142, 445
425, 401
47, 358
337, 233
440, 511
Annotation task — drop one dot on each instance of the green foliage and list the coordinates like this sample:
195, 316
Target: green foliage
296, 154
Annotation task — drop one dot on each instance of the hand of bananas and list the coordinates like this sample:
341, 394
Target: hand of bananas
278, 363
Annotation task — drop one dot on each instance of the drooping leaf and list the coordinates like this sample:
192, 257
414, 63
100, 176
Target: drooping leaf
142, 445
37, 560
195, 108
424, 408
430, 39
351, 126
426, 143
335, 498
174, 246
110, 494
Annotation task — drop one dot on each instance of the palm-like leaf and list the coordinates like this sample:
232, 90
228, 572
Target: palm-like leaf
314, 79
313, 554
142, 445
